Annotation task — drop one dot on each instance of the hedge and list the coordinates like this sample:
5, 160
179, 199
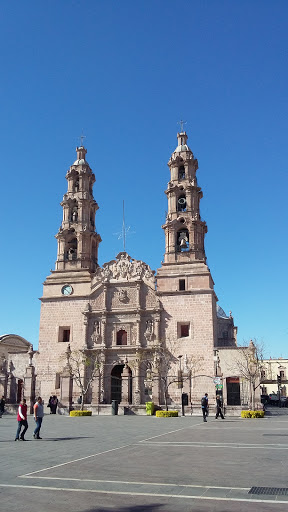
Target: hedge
80, 413
166, 414
252, 414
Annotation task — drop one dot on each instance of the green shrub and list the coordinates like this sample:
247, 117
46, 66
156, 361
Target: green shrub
252, 414
80, 413
166, 414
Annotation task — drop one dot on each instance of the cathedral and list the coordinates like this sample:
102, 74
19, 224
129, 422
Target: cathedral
151, 336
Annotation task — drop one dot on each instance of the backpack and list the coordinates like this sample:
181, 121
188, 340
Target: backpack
204, 401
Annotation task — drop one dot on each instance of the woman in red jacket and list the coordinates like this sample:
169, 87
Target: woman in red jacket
22, 421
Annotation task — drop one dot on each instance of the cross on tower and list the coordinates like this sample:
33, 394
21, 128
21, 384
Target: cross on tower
182, 125
82, 137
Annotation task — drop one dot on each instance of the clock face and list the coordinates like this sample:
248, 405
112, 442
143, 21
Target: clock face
67, 290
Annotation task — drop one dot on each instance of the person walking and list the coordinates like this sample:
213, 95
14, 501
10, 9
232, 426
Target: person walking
2, 405
38, 417
219, 407
53, 404
205, 406
49, 403
22, 421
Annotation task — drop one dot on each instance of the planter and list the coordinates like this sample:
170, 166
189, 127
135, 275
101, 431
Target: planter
166, 414
80, 413
252, 414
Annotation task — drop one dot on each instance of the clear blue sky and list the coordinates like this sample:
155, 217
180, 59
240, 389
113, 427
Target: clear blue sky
125, 73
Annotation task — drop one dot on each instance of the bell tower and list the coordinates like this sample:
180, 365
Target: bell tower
77, 239
184, 266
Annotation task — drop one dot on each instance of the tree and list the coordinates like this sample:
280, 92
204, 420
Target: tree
84, 367
164, 364
250, 365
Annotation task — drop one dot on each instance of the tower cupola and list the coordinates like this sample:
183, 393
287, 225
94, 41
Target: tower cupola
77, 238
184, 266
184, 229
182, 142
81, 153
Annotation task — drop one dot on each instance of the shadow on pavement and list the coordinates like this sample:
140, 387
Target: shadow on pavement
65, 438
130, 508
48, 439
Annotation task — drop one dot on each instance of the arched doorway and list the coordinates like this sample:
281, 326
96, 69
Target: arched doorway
116, 383
233, 391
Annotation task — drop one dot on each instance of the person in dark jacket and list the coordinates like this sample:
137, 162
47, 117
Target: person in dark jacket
205, 406
2, 405
219, 407
53, 404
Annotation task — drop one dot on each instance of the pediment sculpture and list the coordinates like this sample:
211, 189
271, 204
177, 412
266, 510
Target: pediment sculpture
125, 268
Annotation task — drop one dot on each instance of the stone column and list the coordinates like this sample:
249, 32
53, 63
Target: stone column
66, 388
95, 391
138, 300
138, 341
125, 386
3, 376
137, 384
156, 390
29, 386
103, 329
157, 328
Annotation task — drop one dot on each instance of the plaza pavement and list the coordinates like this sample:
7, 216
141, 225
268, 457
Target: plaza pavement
144, 464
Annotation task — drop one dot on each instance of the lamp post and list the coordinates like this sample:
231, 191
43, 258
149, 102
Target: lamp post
181, 384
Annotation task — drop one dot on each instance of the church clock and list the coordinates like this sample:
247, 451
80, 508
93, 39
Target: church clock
67, 290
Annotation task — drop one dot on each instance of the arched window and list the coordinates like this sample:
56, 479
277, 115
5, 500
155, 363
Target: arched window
76, 183
181, 173
71, 250
121, 337
181, 203
183, 240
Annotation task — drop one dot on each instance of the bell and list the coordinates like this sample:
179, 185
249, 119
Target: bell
183, 244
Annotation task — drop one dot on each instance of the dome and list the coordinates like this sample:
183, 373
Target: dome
80, 162
180, 148
220, 312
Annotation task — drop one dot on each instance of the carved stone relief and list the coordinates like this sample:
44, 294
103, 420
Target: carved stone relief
149, 330
125, 268
96, 332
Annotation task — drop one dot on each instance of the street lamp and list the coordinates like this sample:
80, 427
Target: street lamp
181, 384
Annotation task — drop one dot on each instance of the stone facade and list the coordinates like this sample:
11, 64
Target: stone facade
154, 335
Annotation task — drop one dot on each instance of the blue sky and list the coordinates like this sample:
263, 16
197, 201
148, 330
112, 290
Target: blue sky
124, 73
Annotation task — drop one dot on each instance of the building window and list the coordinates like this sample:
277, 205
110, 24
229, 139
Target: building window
64, 334
263, 375
183, 330
181, 173
182, 240
225, 335
181, 284
57, 381
181, 203
282, 374
121, 337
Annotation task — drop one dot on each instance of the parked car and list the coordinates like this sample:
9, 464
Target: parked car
273, 399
